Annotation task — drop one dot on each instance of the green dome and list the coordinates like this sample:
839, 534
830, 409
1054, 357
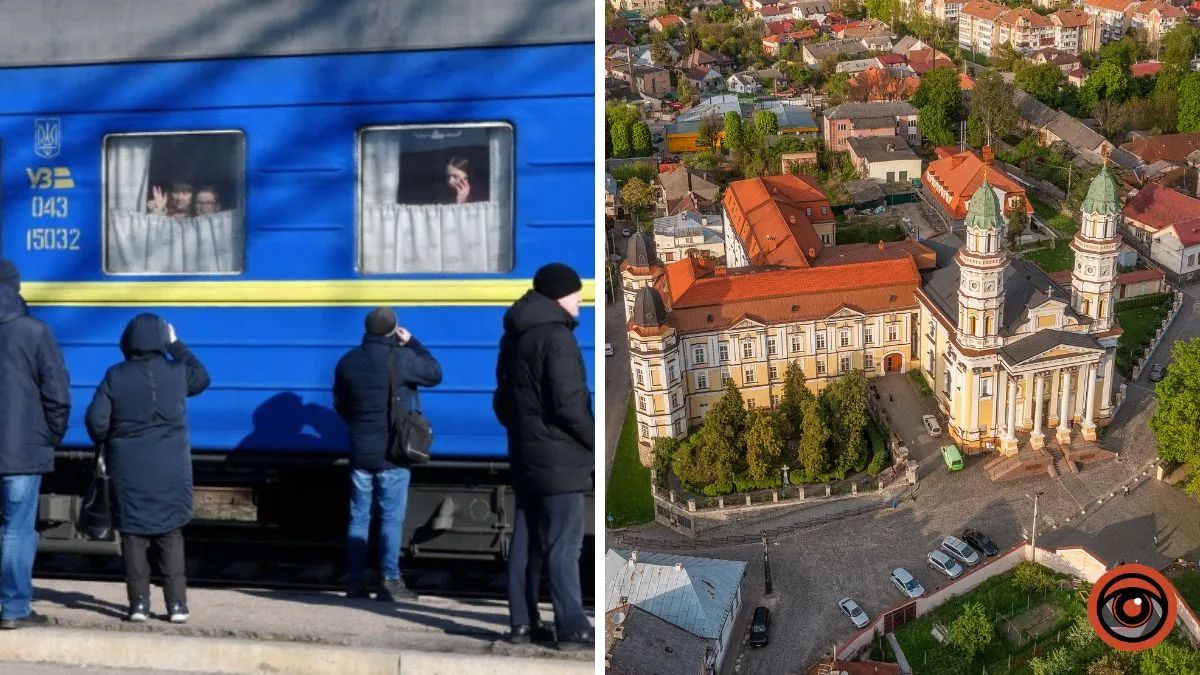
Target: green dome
983, 211
1102, 195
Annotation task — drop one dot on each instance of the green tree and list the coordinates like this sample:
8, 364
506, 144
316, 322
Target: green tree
1006, 57
1113, 663
837, 88
637, 197
1041, 82
1176, 419
683, 90
939, 98
621, 145
972, 631
664, 450
1123, 52
993, 107
642, 144
1032, 577
721, 438
1018, 219
734, 139
1179, 45
936, 126
766, 123
791, 406
1169, 658
846, 399
1081, 634
884, 10
706, 133
813, 435
660, 52
764, 448
1189, 104
1108, 82
1056, 662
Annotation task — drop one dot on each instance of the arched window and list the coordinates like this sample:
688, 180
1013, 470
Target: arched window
971, 323
1086, 305
987, 325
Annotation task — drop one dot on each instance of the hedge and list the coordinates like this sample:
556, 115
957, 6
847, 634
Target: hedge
1145, 301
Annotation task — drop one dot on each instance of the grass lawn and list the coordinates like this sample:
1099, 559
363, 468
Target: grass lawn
1139, 325
1056, 220
1056, 259
870, 233
628, 498
1187, 582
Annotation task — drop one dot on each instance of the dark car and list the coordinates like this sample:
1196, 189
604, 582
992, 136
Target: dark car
1157, 372
759, 626
980, 541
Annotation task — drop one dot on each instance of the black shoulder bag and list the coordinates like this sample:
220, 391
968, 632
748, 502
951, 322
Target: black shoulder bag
95, 520
410, 435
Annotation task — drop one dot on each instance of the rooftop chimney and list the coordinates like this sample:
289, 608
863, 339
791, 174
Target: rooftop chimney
678, 566
793, 218
633, 556
812, 252
880, 244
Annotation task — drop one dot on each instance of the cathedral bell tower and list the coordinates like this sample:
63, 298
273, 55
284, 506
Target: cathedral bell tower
982, 261
1095, 246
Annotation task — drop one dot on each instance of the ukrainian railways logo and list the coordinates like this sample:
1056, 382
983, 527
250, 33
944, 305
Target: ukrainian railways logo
47, 137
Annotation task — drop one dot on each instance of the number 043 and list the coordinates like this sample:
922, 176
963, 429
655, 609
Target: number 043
52, 239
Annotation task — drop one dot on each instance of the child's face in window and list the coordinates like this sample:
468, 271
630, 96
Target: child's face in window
181, 197
206, 203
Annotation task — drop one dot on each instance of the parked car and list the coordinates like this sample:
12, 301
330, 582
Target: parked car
932, 426
608, 349
960, 551
906, 583
1157, 372
759, 625
980, 541
944, 564
952, 457
851, 609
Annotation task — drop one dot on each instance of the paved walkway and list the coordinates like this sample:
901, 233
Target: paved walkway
900, 658
616, 376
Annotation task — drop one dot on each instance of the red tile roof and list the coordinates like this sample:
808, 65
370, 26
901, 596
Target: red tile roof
669, 20
982, 9
1013, 16
705, 297
1145, 69
769, 216
1188, 231
1139, 275
1173, 147
1113, 5
1156, 207
891, 59
618, 36
965, 82
1072, 17
961, 175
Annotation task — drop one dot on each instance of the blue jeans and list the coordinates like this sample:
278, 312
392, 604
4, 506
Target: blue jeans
547, 535
387, 490
18, 542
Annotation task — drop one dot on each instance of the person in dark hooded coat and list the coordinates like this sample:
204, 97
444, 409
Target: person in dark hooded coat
35, 400
542, 399
139, 417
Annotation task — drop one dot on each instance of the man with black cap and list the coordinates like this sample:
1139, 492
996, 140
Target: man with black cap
543, 401
360, 396
35, 399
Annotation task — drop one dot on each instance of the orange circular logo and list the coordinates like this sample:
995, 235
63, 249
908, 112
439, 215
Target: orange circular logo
1132, 607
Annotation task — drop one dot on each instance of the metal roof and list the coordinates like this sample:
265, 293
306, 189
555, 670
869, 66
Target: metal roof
696, 594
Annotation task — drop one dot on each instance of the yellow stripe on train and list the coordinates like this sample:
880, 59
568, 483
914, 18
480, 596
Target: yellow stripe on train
315, 293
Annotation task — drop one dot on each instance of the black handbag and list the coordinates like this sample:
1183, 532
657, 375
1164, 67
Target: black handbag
95, 520
410, 435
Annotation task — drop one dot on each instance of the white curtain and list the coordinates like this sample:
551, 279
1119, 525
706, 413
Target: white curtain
142, 243
403, 238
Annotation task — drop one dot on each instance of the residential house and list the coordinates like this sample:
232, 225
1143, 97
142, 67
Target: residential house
803, 9
660, 23
636, 641
857, 65
612, 196
946, 11
1111, 16
1155, 18
799, 161
1165, 225
793, 119
1170, 147
743, 83
701, 596
887, 160
815, 52
1076, 31
1077, 77
1145, 68
648, 80
689, 233
884, 84
908, 44
704, 80
984, 26
976, 26
776, 220
1055, 126
618, 36
921, 61
954, 177
859, 120
642, 54
646, 7
682, 189
774, 14
1066, 61
1140, 282
715, 60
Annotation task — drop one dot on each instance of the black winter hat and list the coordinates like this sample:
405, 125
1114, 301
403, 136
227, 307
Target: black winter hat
9, 276
381, 321
556, 280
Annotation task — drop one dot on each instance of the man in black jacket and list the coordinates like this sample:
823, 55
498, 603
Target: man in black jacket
35, 399
360, 396
543, 401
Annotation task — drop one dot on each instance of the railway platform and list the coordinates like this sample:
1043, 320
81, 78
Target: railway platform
250, 630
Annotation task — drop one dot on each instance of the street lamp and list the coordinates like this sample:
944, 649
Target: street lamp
1033, 530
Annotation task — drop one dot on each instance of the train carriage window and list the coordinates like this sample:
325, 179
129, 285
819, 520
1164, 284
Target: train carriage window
436, 198
173, 203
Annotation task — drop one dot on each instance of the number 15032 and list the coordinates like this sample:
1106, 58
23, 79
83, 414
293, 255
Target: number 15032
52, 239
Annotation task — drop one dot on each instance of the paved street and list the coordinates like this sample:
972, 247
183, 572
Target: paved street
616, 371
59, 669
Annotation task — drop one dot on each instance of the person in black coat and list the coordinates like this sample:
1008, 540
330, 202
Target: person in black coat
35, 400
543, 401
138, 417
360, 396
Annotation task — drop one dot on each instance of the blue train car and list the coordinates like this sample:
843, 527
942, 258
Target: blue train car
261, 175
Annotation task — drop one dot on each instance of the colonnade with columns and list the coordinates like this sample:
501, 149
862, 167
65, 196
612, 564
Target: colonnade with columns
1065, 393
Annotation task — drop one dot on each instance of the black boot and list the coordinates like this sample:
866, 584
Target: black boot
394, 590
578, 641
523, 634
